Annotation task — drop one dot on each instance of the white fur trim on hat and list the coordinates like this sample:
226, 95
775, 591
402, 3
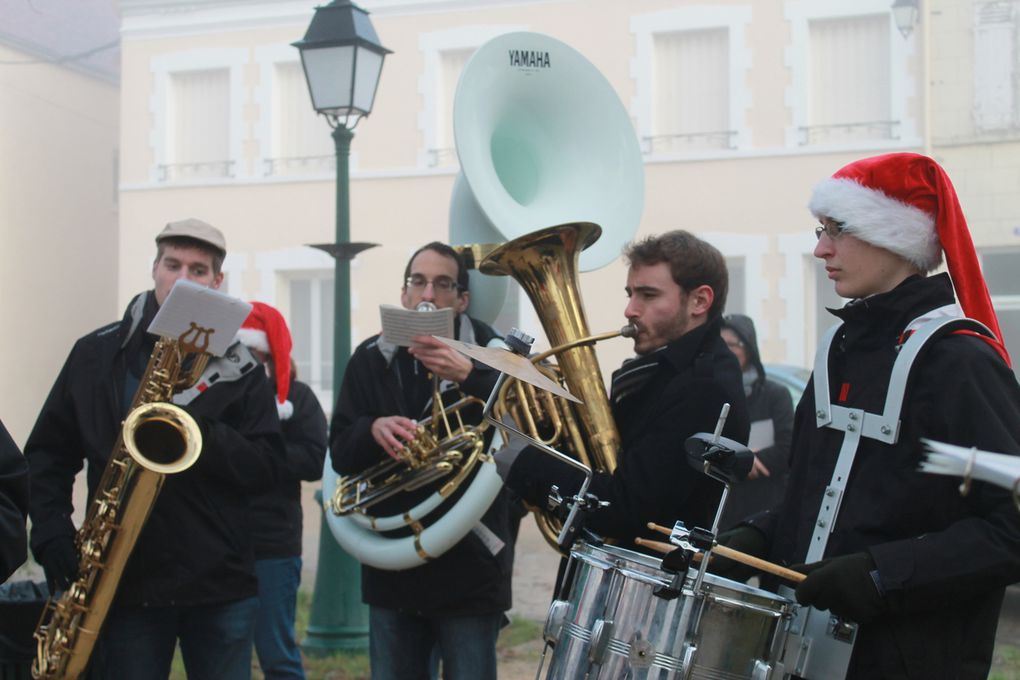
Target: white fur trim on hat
285, 410
872, 216
253, 338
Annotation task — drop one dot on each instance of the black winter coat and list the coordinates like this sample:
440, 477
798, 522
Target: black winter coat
13, 505
468, 579
276, 514
943, 559
768, 402
653, 481
196, 547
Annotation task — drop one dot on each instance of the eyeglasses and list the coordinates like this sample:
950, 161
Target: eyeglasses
830, 228
442, 284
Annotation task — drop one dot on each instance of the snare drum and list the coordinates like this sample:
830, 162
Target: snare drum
613, 625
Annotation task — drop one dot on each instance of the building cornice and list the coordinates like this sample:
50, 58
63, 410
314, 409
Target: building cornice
150, 19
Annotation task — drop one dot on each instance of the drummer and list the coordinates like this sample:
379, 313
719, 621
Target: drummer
920, 567
676, 386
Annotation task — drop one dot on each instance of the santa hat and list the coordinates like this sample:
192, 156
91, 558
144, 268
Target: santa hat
905, 203
266, 331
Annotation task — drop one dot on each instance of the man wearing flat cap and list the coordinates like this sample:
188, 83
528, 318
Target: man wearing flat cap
191, 576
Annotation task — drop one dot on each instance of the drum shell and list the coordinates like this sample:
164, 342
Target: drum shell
612, 625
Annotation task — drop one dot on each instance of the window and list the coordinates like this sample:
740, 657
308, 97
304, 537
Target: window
451, 63
736, 299
996, 65
196, 110
692, 66
850, 80
849, 83
691, 91
999, 268
445, 54
198, 137
311, 327
825, 299
300, 141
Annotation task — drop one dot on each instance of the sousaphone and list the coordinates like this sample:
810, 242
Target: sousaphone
550, 161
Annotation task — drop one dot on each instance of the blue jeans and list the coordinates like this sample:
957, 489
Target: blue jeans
401, 644
275, 643
137, 643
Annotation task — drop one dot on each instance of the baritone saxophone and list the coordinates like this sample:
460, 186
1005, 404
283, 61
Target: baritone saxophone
156, 439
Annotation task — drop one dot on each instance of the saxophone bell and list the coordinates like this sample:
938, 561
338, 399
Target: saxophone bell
162, 437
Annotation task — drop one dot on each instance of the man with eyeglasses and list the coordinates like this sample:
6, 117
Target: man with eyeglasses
455, 603
921, 568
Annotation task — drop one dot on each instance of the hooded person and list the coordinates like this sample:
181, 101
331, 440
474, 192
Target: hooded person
920, 567
770, 408
276, 514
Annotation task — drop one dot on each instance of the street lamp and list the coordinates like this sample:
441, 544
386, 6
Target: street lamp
905, 13
342, 60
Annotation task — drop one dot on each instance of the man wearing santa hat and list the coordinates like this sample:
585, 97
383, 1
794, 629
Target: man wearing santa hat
276, 514
921, 568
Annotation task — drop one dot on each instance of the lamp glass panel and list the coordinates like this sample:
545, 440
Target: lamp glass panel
369, 66
329, 71
904, 16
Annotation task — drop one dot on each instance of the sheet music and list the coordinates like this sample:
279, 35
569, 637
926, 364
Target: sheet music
400, 325
763, 435
190, 304
947, 459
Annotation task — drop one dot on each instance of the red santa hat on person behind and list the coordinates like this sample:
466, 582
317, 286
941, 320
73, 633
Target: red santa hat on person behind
266, 331
905, 203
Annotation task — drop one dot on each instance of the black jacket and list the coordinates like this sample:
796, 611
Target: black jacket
467, 579
195, 547
653, 482
942, 558
13, 505
767, 402
276, 514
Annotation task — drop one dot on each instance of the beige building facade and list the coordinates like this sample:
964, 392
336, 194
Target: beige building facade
738, 109
58, 230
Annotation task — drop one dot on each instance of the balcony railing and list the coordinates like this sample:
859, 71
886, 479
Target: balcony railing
829, 133
299, 165
689, 141
177, 172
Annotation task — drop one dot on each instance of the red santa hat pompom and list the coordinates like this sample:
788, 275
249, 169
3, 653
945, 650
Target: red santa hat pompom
906, 204
265, 330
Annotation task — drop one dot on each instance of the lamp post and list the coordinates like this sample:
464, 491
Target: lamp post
342, 59
906, 15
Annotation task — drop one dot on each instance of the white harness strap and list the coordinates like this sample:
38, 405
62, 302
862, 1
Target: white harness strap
857, 423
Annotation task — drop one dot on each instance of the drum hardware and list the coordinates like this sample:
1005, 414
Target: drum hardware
515, 364
611, 623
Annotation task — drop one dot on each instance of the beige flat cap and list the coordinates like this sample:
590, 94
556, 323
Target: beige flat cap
196, 229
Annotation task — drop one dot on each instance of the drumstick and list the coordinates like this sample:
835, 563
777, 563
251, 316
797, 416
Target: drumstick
743, 558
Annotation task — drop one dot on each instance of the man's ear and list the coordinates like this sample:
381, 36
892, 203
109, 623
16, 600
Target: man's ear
700, 300
217, 281
463, 299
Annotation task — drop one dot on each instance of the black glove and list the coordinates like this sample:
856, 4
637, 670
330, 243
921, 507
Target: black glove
59, 559
847, 586
746, 539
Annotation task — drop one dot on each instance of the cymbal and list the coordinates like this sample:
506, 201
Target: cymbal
514, 365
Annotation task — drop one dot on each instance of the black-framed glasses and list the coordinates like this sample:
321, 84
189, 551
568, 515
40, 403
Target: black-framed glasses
830, 228
441, 284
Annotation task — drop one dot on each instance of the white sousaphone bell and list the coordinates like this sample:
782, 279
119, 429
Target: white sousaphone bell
543, 140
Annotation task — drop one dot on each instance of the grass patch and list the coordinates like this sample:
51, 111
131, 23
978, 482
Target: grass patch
1005, 663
